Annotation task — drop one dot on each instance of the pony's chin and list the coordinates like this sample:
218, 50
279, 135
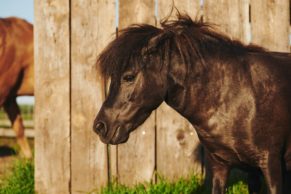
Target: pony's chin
118, 141
115, 140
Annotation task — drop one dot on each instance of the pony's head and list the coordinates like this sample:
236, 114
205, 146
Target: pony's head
138, 82
148, 65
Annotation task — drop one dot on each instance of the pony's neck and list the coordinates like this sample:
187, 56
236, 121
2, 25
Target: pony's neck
183, 82
198, 92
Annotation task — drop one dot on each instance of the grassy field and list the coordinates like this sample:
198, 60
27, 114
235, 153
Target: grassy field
192, 185
26, 113
20, 180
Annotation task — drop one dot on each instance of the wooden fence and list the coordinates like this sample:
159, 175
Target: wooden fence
69, 34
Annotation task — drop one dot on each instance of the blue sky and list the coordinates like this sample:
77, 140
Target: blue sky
20, 8
23, 9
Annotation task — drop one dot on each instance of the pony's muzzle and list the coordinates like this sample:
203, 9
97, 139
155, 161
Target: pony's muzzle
100, 128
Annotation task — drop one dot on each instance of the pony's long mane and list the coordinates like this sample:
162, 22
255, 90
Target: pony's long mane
193, 39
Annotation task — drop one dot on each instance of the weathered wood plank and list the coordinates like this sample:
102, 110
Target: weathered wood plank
52, 97
231, 16
29, 133
178, 150
92, 27
178, 147
7, 123
270, 24
136, 158
190, 7
139, 11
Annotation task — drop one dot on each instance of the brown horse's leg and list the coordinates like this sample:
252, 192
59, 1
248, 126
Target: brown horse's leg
287, 183
13, 112
219, 179
219, 175
272, 171
254, 182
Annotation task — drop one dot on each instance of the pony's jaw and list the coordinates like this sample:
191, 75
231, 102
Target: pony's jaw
113, 136
117, 132
119, 138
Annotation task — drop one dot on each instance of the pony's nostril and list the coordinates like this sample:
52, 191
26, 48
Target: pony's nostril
100, 127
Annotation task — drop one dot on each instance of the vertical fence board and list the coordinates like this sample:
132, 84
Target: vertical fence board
136, 158
178, 148
231, 16
270, 24
93, 26
178, 151
190, 7
52, 97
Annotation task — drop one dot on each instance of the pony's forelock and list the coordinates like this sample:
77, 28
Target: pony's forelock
192, 38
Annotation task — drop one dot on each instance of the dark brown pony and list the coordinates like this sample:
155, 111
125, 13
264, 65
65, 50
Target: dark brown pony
16, 71
237, 97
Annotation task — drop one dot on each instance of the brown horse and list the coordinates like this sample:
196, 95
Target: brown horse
16, 71
237, 97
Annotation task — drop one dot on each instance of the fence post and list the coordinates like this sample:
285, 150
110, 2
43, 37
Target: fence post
52, 96
189, 7
177, 139
92, 27
231, 16
270, 20
136, 158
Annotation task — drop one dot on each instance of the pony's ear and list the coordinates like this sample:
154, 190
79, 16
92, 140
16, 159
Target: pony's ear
154, 42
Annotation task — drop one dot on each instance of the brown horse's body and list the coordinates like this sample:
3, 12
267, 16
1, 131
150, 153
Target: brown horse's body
237, 97
16, 71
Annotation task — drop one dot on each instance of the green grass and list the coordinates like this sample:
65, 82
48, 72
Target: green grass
192, 185
26, 111
20, 180
238, 188
237, 182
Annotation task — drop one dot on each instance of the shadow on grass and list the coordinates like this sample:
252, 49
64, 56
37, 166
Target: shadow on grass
7, 151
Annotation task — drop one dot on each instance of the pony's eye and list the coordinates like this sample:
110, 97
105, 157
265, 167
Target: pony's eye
129, 78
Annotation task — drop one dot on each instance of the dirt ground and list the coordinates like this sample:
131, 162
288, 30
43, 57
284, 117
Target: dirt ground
9, 152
